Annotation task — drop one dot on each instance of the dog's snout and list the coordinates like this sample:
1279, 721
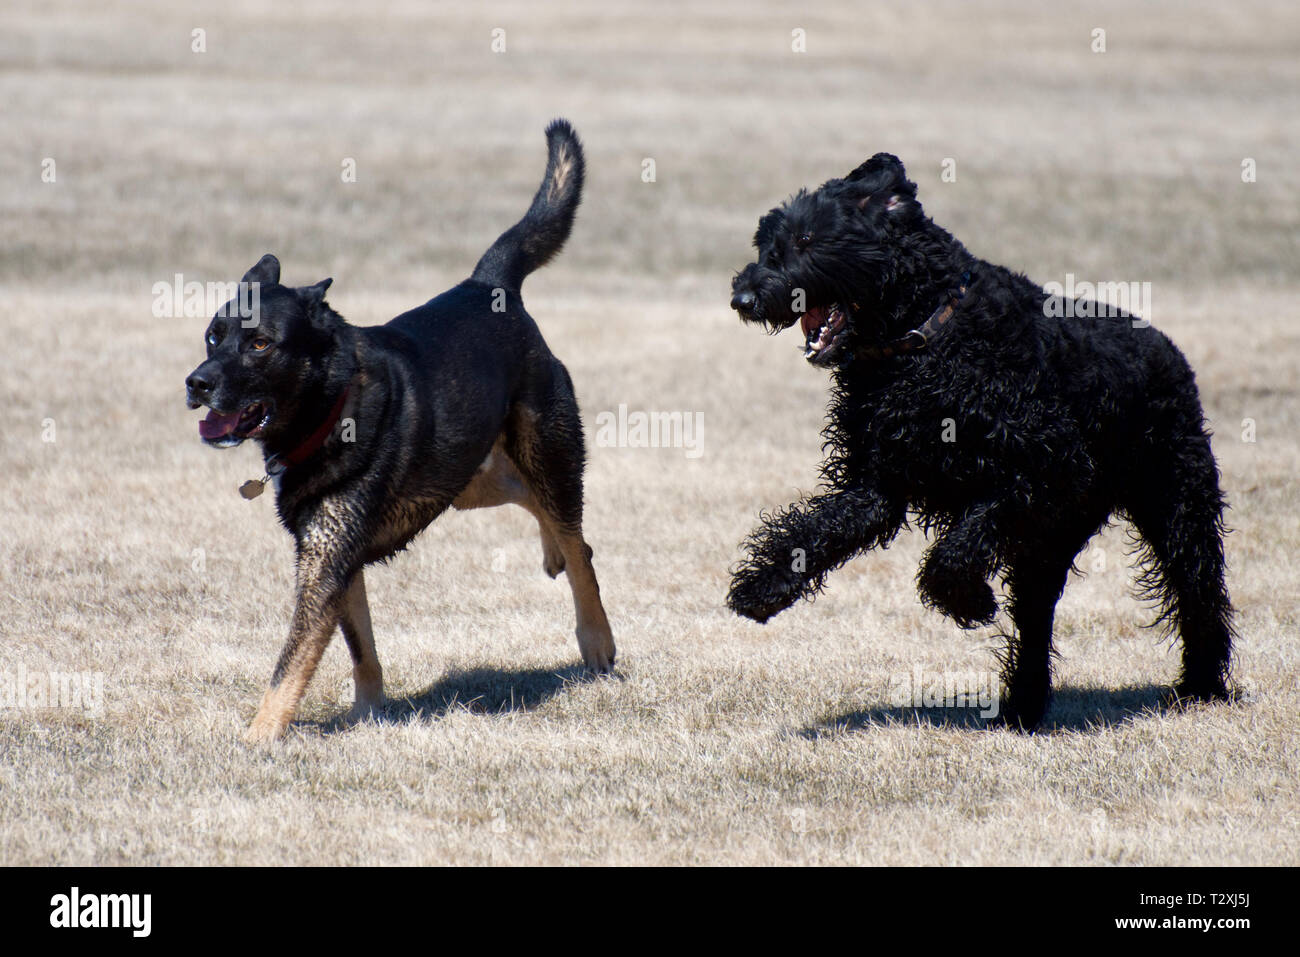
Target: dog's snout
195, 384
743, 301
199, 386
203, 381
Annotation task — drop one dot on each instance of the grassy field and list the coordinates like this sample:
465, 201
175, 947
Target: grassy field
125, 551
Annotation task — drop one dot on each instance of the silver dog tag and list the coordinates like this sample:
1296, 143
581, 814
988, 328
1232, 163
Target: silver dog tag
252, 488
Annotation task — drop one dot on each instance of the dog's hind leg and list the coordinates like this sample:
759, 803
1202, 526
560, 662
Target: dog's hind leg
1177, 508
367, 676
499, 482
595, 639
547, 448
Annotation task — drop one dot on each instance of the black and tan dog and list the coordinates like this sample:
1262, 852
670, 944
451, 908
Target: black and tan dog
369, 434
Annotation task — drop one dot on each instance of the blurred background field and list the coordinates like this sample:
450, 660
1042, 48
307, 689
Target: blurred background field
125, 550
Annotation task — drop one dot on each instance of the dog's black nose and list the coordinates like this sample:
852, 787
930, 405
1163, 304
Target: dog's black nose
197, 386
744, 301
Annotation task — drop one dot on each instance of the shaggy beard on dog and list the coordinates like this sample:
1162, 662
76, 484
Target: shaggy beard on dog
962, 401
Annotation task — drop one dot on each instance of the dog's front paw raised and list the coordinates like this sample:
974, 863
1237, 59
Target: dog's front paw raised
962, 595
759, 593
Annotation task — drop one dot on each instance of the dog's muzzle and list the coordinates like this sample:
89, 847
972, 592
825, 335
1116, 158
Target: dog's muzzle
224, 428
744, 301
824, 330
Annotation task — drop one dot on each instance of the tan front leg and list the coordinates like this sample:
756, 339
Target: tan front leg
314, 619
367, 676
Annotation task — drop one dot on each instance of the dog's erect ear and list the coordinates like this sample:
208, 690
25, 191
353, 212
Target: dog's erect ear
316, 294
322, 316
266, 272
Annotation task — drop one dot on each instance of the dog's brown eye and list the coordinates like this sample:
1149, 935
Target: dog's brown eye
261, 344
803, 240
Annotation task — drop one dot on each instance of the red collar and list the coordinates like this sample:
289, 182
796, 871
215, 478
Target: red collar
278, 463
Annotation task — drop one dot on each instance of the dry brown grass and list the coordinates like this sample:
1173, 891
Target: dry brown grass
720, 741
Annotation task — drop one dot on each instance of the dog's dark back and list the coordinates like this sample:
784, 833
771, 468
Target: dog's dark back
473, 349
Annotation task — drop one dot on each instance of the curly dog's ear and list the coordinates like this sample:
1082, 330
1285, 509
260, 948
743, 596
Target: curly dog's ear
882, 182
881, 166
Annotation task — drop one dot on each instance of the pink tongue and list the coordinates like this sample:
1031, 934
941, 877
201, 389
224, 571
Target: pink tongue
812, 320
216, 425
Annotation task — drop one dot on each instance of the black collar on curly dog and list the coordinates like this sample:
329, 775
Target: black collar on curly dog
918, 338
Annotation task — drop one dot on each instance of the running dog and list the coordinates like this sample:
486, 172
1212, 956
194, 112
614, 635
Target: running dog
369, 434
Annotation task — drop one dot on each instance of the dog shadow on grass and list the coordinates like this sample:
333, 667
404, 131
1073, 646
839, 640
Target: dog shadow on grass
1071, 709
478, 690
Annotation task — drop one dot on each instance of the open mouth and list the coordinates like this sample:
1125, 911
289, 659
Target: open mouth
824, 332
228, 428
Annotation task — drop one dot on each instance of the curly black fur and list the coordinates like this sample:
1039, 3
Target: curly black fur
1012, 438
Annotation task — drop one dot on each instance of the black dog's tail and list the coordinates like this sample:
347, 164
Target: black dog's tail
532, 242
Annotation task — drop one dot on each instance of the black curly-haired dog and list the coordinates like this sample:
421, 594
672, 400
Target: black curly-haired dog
1011, 435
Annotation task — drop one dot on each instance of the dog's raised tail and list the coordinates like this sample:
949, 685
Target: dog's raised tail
533, 241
